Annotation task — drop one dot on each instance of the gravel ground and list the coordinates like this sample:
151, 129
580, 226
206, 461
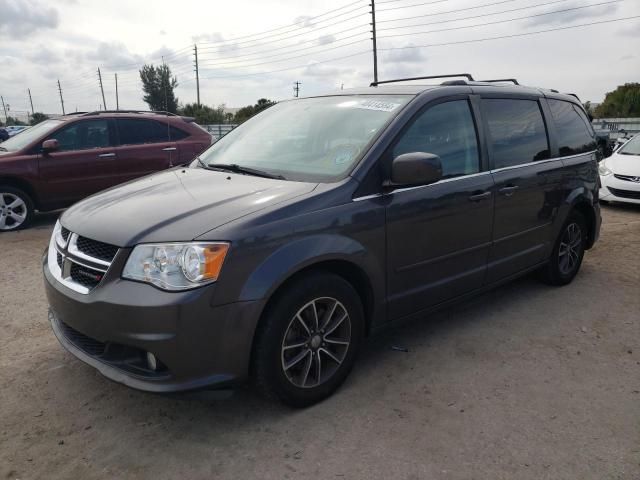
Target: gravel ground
525, 382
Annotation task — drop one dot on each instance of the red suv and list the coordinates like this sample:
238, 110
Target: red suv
61, 161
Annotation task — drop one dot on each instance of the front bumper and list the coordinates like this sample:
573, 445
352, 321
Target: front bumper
113, 327
616, 190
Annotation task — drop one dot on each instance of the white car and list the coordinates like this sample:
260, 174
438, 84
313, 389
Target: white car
620, 174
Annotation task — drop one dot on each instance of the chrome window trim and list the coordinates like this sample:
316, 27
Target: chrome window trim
529, 164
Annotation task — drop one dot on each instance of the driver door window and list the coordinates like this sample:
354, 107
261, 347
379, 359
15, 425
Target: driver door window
446, 130
84, 135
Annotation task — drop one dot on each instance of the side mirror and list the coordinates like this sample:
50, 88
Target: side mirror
50, 145
417, 168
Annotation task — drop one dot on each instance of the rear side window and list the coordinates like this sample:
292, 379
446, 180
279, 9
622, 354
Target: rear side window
517, 134
574, 132
83, 135
446, 130
177, 134
133, 131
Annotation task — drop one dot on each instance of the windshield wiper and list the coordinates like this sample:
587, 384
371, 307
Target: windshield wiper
235, 168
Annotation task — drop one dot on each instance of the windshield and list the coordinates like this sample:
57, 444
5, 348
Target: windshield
25, 137
312, 139
632, 147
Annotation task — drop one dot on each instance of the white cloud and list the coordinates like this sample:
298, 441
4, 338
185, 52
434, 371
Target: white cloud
19, 18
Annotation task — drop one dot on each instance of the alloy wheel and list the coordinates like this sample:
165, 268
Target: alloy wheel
569, 251
13, 211
316, 342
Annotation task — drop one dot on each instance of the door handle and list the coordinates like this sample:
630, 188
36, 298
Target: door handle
476, 197
106, 155
508, 190
169, 149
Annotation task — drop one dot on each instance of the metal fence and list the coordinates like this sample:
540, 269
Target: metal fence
615, 125
220, 130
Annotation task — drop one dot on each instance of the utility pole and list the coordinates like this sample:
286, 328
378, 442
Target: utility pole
4, 107
195, 51
117, 101
373, 38
31, 102
61, 101
296, 88
102, 89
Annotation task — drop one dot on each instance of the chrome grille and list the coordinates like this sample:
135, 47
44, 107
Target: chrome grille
96, 249
78, 262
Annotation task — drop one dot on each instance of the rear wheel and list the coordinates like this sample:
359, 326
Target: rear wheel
308, 340
568, 252
16, 209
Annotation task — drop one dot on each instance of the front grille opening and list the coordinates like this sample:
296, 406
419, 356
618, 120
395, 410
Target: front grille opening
96, 249
59, 259
65, 233
625, 193
86, 344
123, 357
87, 277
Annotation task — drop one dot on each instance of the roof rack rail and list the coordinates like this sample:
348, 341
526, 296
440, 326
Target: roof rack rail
466, 75
161, 112
73, 113
501, 80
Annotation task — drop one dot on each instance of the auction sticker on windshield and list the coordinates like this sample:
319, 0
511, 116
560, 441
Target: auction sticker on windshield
378, 105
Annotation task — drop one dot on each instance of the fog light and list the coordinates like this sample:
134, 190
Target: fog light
152, 361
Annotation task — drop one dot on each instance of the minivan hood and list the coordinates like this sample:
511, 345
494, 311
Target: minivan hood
175, 205
624, 164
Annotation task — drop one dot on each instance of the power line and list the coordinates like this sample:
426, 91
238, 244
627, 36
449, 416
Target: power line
300, 56
475, 16
461, 42
411, 6
289, 68
296, 25
501, 21
261, 43
204, 63
297, 45
449, 11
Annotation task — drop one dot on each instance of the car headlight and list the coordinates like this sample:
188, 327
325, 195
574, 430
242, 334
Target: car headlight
603, 170
176, 266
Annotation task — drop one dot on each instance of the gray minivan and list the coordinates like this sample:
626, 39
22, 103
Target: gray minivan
316, 223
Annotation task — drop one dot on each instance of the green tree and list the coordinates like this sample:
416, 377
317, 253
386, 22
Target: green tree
204, 114
38, 117
624, 101
14, 121
245, 113
158, 85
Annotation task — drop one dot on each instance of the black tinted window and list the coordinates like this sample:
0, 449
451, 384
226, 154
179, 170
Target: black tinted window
133, 131
177, 134
516, 132
575, 135
83, 135
448, 131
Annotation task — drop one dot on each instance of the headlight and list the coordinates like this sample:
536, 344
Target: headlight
603, 170
176, 266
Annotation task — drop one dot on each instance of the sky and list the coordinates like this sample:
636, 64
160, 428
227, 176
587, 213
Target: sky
254, 49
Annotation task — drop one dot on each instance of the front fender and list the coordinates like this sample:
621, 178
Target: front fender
305, 252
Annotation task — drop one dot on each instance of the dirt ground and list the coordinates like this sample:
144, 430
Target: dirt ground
525, 382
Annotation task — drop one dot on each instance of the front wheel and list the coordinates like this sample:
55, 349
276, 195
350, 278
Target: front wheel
16, 209
308, 340
568, 252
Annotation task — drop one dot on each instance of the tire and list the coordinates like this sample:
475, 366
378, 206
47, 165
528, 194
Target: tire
567, 253
16, 209
295, 361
